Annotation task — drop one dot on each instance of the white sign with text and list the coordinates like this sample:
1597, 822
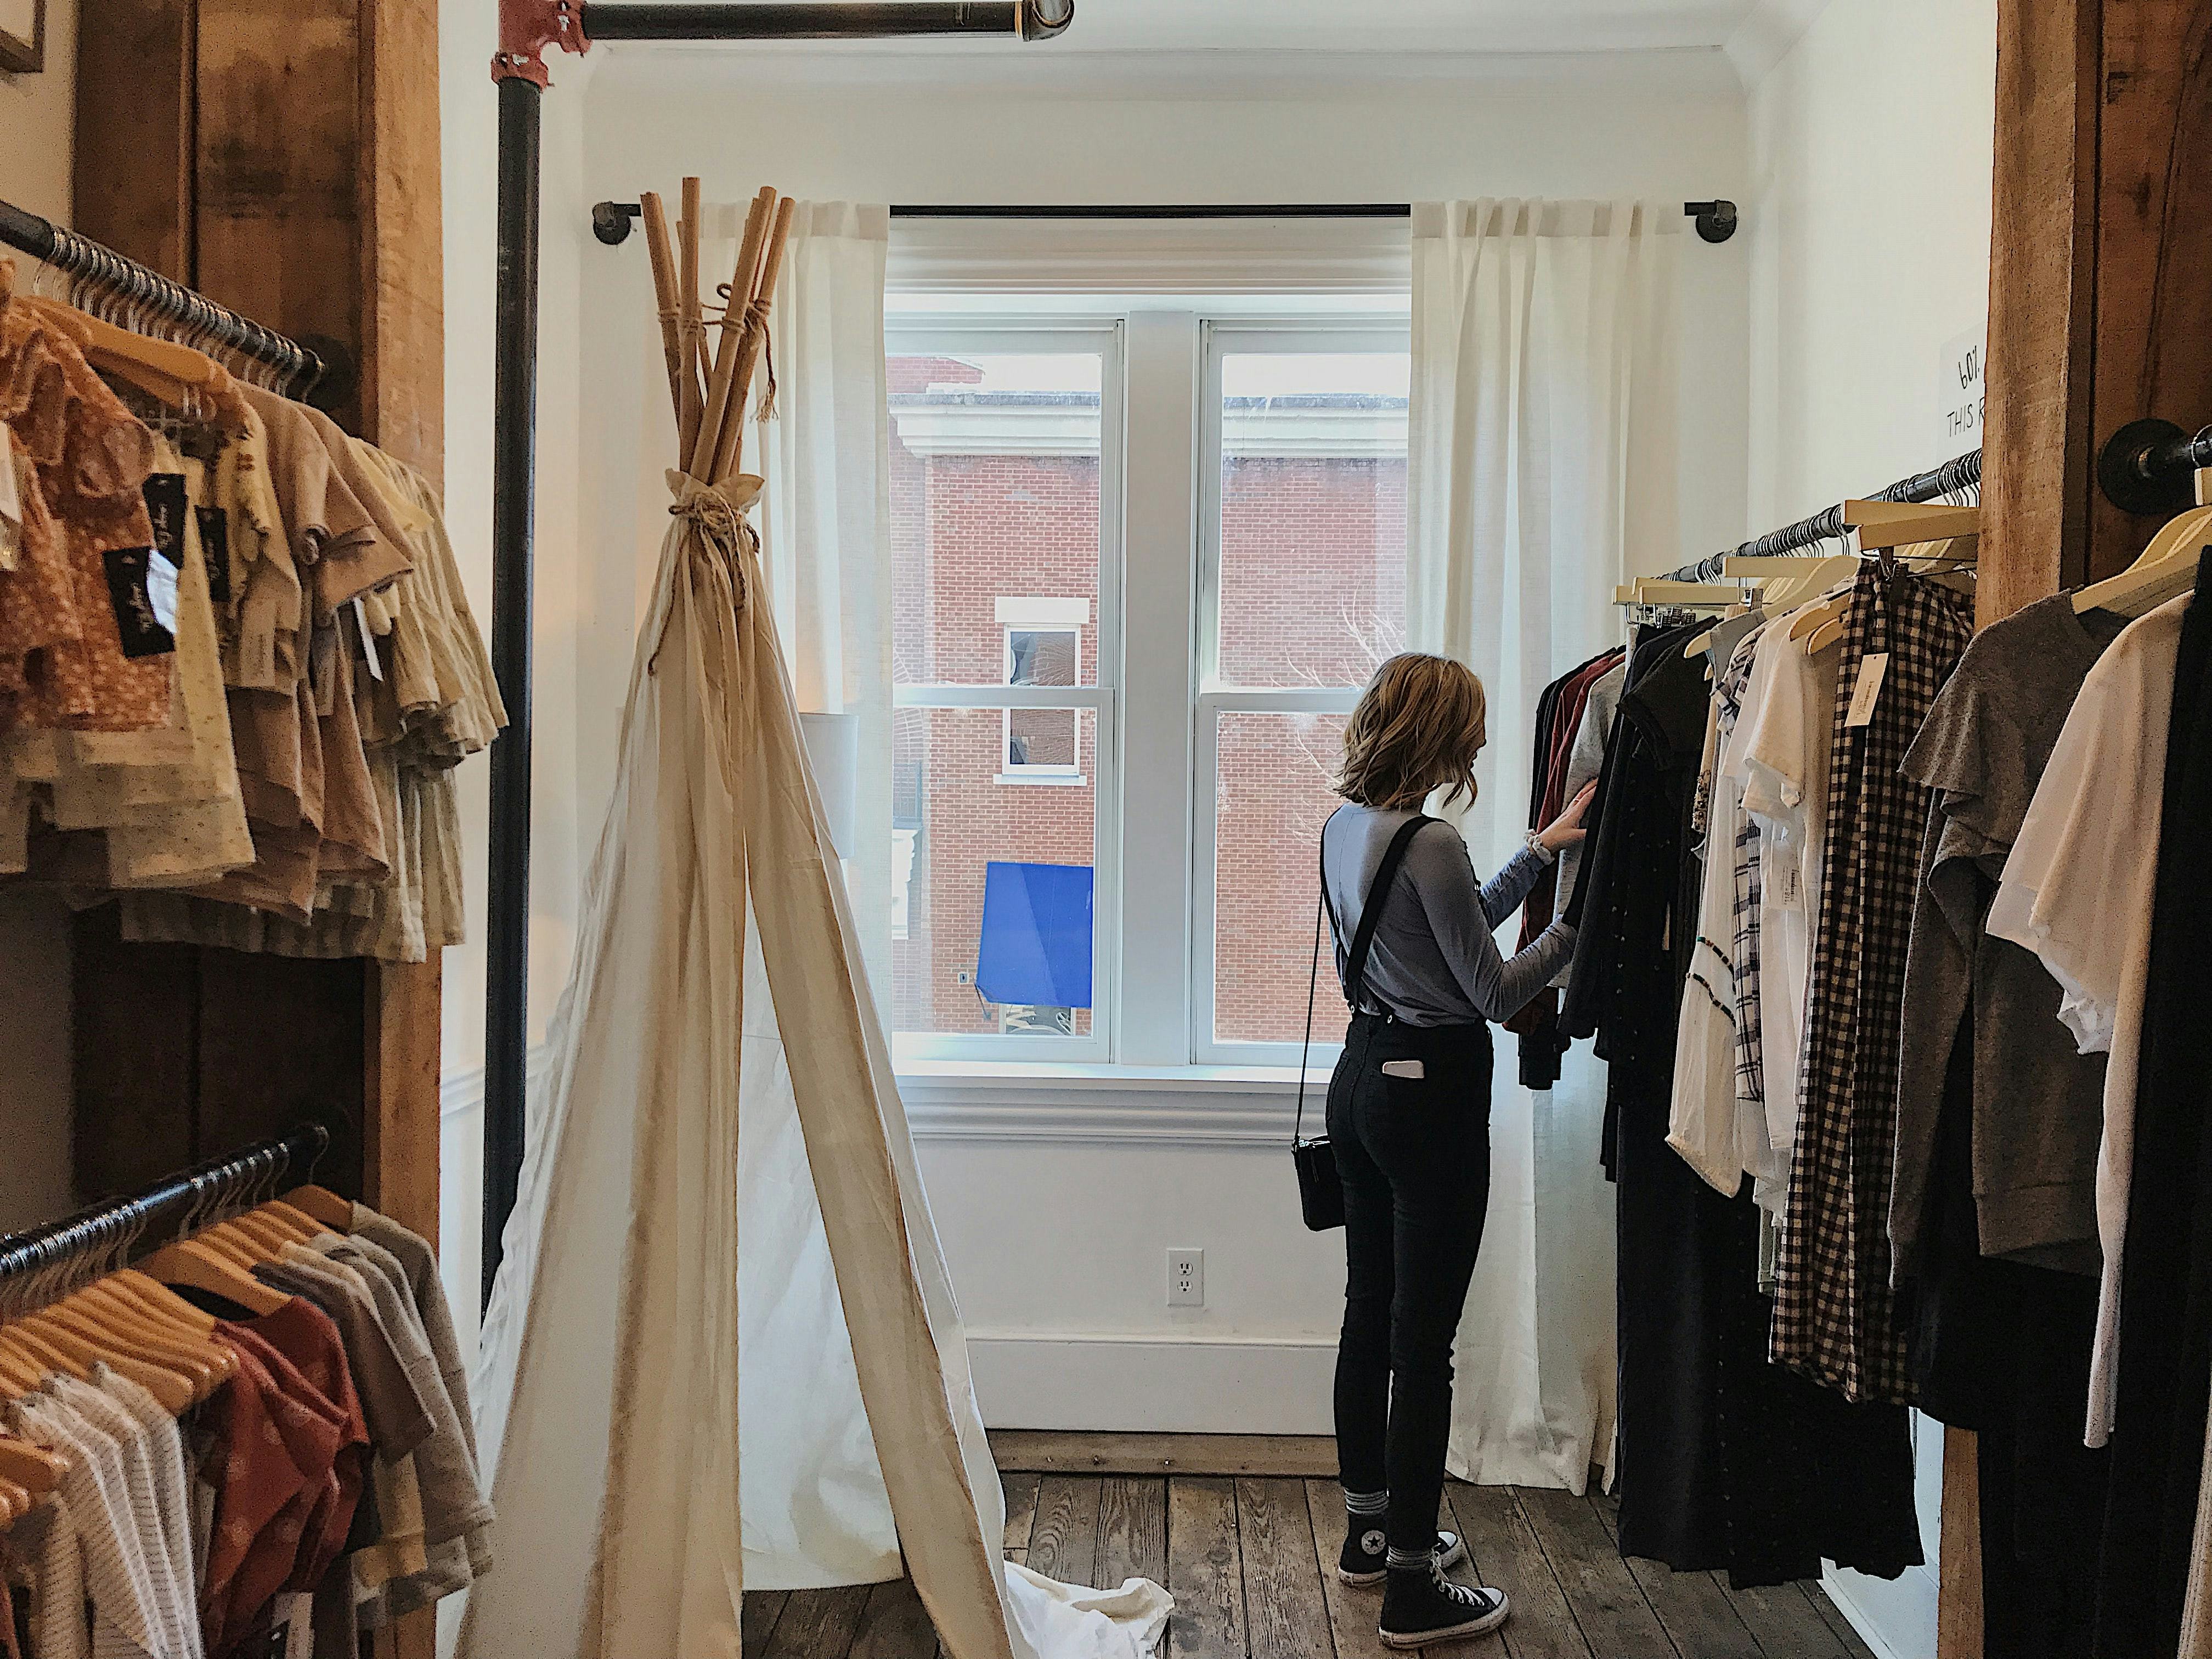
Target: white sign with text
1960, 396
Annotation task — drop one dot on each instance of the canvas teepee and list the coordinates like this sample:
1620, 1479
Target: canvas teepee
722, 1347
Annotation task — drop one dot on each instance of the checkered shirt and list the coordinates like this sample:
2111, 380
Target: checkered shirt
1835, 1319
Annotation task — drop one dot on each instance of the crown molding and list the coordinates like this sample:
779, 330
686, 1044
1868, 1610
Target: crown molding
1766, 34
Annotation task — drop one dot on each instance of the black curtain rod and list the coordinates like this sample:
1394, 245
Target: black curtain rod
825, 19
205, 1189
611, 221
1961, 472
107, 272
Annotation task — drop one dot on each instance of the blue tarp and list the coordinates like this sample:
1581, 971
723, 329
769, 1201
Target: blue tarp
1036, 949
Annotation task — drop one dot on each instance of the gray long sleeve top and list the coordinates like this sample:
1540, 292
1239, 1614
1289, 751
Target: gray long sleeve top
1434, 961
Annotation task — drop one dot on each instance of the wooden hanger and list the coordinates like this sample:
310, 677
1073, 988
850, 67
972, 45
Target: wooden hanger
173, 1389
2168, 567
97, 1323
15, 1504
326, 1209
21, 1372
1905, 524
192, 1262
34, 1468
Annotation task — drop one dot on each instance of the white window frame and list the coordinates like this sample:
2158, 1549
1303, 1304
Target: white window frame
1039, 617
928, 334
1214, 697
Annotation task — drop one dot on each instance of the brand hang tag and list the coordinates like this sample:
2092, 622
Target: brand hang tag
214, 552
165, 508
1872, 671
143, 589
367, 641
1789, 884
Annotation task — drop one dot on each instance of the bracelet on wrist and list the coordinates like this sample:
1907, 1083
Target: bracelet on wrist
1534, 843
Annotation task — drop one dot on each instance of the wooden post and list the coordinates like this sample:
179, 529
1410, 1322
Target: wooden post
2101, 313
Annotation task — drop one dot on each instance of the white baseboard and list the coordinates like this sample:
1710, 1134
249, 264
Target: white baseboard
1904, 1625
1154, 1384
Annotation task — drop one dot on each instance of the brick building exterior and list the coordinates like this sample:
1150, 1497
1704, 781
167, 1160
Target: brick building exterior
995, 515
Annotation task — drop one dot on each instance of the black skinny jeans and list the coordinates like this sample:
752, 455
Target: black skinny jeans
1415, 1155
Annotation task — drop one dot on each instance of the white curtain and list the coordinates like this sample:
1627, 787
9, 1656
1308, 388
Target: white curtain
826, 516
1538, 403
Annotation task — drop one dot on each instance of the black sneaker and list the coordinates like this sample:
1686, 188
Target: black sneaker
1420, 1607
1366, 1554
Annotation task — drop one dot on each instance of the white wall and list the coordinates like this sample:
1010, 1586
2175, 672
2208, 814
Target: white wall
35, 147
1057, 1227
1868, 223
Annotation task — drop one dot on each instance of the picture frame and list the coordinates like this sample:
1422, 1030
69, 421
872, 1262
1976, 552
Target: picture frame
23, 36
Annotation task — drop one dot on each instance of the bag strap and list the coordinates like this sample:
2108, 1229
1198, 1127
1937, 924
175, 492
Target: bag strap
1363, 941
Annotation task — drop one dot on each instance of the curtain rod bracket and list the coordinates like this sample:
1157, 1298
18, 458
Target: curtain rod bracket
527, 27
611, 222
1716, 221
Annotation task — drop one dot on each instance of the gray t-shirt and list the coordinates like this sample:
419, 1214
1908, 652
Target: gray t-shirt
1434, 961
2037, 1104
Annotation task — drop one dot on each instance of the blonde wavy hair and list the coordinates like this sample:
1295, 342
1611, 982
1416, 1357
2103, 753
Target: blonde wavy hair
1416, 728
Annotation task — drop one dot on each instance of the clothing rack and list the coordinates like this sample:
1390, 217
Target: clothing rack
1961, 472
184, 1201
107, 272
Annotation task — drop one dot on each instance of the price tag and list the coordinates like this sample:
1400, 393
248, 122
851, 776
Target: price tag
1789, 885
1873, 669
11, 503
368, 640
165, 510
214, 552
143, 589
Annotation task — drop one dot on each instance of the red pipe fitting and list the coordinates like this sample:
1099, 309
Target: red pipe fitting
527, 27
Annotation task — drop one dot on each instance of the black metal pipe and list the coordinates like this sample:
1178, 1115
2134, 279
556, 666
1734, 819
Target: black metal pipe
290, 1159
1961, 472
114, 273
799, 19
514, 486
2149, 467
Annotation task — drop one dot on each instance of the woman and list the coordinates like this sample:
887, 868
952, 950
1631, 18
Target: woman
1409, 1116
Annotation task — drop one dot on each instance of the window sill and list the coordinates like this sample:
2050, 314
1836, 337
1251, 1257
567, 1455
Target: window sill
1048, 780
1069, 1102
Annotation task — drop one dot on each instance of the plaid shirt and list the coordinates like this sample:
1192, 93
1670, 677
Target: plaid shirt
1835, 1319
1743, 964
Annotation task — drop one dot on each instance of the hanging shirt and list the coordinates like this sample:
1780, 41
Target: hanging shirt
1720, 1137
2037, 1109
1835, 1314
2077, 891
1790, 705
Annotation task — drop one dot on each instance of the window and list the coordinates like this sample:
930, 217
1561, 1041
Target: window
1005, 499
1143, 565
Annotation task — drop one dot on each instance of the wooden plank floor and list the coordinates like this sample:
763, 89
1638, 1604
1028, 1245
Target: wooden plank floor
1251, 1560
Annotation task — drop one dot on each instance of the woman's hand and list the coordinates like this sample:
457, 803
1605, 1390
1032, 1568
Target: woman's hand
1567, 828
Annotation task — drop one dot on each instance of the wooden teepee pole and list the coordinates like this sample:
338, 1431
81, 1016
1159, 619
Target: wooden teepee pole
735, 315
691, 396
730, 448
663, 293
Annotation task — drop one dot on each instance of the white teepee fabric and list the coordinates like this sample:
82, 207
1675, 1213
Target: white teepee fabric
1538, 402
722, 1282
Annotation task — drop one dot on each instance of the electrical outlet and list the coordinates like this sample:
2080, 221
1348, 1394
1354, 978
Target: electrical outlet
1186, 1278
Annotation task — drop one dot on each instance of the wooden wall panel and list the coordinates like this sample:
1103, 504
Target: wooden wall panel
2101, 313
2036, 465
133, 157
282, 155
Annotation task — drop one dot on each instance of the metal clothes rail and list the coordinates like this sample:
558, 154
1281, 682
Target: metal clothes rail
107, 272
97, 1238
1962, 472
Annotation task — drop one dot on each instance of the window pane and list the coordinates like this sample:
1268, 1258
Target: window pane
1272, 793
1313, 516
990, 873
994, 513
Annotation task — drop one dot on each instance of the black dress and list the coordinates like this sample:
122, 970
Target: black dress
1725, 1461
2165, 1373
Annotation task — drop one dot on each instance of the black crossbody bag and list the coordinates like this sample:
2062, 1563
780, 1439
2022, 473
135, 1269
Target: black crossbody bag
1321, 1189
